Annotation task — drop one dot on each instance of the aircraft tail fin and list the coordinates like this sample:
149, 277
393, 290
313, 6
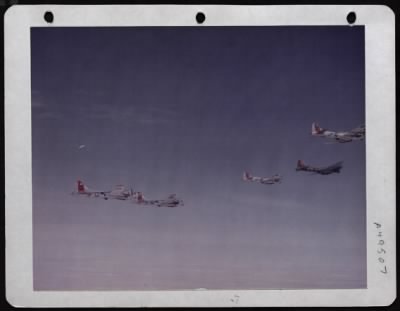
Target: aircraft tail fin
81, 187
300, 164
315, 129
246, 176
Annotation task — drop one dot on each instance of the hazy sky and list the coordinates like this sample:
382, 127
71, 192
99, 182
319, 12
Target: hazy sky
186, 110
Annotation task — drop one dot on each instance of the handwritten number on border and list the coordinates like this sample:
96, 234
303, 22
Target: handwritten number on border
380, 249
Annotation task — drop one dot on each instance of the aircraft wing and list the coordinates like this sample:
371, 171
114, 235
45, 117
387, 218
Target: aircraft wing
343, 139
96, 193
267, 181
333, 166
100, 192
359, 130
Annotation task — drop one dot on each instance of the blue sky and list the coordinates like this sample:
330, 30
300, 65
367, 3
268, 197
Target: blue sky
186, 110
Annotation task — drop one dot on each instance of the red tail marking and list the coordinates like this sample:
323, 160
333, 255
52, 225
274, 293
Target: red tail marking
318, 129
300, 163
81, 186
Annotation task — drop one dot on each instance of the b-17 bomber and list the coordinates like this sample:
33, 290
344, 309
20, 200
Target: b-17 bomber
357, 133
263, 180
334, 168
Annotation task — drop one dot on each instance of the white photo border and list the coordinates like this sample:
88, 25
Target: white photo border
379, 22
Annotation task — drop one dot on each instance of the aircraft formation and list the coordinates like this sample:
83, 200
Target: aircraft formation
357, 133
121, 192
334, 168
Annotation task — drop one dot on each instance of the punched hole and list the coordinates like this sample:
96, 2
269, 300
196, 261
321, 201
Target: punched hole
200, 17
351, 18
48, 17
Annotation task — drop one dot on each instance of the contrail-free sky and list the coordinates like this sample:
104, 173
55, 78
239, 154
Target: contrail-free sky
186, 110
